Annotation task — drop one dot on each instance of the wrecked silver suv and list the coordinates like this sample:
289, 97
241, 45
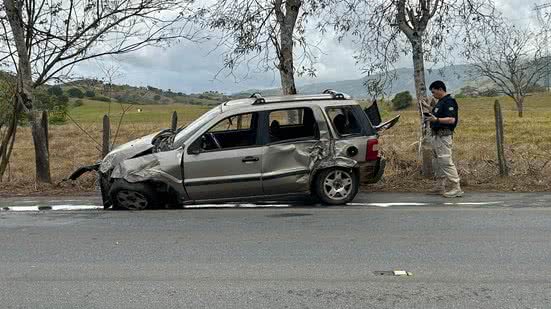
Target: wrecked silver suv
257, 148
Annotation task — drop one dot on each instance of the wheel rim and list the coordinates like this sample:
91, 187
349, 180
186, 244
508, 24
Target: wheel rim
131, 200
337, 185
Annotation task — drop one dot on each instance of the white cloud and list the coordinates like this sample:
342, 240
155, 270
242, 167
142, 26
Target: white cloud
191, 67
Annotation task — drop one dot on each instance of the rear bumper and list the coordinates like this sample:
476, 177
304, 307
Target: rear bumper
372, 171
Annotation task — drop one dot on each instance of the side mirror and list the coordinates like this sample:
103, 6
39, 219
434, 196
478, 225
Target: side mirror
194, 149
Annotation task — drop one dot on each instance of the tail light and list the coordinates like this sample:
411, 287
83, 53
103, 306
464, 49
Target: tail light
372, 152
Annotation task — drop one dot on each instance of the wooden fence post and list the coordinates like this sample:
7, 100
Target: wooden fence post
174, 124
45, 128
503, 169
106, 136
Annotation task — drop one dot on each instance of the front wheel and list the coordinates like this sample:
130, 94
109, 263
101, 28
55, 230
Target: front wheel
131, 196
336, 186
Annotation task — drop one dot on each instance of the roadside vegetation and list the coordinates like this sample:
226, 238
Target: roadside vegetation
527, 145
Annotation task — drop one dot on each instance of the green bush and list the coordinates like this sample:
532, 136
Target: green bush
90, 93
402, 100
78, 103
75, 93
55, 90
101, 98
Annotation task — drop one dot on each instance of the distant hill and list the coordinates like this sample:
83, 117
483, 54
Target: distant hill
101, 91
455, 77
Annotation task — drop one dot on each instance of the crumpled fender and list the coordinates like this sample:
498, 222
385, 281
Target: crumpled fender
162, 166
125, 151
326, 154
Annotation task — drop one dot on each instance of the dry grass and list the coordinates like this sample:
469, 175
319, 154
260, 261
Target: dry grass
528, 146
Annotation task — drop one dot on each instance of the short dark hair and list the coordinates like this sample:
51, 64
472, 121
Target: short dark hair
438, 85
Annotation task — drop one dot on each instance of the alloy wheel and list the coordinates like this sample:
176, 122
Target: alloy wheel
337, 185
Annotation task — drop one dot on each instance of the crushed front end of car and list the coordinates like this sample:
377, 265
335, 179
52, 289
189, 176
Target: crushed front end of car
136, 160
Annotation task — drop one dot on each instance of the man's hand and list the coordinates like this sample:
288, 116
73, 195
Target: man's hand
429, 117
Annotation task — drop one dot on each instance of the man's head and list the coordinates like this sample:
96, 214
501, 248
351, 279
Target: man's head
438, 89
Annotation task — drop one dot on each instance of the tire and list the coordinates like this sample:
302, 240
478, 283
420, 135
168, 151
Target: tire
132, 196
336, 186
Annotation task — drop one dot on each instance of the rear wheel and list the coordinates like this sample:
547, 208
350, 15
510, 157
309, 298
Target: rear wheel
336, 186
132, 196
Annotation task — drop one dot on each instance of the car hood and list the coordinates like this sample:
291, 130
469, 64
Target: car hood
127, 151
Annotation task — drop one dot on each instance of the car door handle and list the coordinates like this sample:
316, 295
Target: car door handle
249, 159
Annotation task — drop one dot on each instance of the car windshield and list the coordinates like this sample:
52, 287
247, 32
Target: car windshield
183, 135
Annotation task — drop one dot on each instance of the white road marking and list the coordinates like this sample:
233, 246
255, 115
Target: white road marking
386, 204
475, 203
47, 207
76, 207
22, 208
236, 206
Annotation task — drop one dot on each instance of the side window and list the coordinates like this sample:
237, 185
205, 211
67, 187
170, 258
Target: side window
292, 124
344, 121
233, 123
232, 132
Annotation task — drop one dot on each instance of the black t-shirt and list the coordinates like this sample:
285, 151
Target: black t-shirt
446, 107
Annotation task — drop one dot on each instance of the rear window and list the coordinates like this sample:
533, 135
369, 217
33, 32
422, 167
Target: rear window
345, 120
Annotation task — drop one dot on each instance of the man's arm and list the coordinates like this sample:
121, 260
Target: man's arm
449, 112
445, 120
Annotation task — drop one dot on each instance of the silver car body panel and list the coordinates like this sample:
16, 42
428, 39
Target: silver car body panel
126, 151
222, 174
281, 168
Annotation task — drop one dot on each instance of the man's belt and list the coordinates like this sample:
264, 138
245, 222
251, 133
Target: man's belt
442, 132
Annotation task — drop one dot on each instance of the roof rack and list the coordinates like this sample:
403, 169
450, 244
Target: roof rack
328, 94
258, 97
336, 95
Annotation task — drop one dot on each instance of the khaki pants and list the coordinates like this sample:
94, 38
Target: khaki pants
442, 162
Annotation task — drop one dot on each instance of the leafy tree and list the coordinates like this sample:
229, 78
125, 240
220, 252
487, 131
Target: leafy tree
510, 56
44, 40
75, 93
157, 97
266, 32
90, 93
55, 90
424, 29
402, 100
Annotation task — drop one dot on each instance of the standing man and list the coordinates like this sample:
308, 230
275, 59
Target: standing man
443, 121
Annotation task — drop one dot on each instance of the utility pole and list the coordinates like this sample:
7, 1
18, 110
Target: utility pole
543, 19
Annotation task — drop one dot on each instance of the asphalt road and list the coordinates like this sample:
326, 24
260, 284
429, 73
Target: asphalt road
482, 251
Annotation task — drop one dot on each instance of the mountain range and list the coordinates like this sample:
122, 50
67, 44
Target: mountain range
455, 77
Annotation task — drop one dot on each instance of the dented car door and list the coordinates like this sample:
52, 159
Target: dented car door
292, 136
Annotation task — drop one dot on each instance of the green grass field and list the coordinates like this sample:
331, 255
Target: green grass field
93, 111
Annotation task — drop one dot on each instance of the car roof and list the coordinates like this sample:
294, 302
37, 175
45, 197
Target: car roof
257, 102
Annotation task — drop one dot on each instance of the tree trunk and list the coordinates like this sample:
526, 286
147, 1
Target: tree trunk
14, 11
520, 105
421, 94
7, 143
286, 65
41, 152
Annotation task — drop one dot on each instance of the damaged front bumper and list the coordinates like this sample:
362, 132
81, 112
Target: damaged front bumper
82, 170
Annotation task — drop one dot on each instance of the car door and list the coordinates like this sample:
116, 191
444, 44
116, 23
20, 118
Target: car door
293, 134
225, 162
